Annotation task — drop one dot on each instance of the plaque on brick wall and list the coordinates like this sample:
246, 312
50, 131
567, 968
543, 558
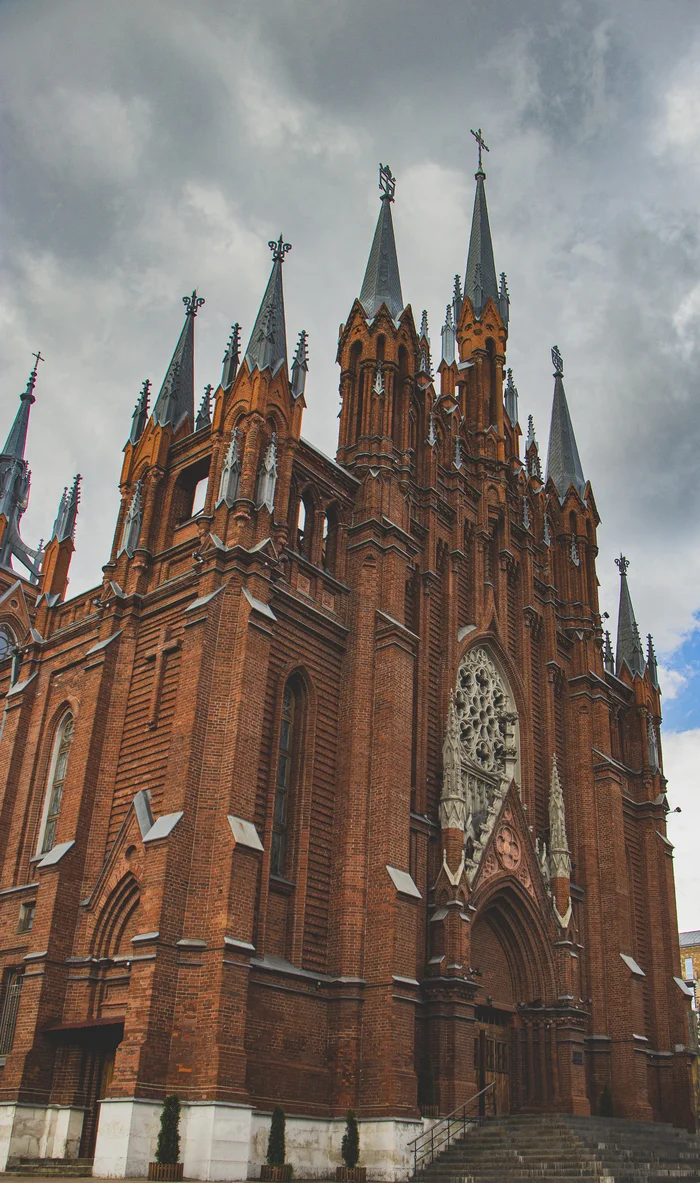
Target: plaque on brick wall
303, 584
328, 600
578, 1057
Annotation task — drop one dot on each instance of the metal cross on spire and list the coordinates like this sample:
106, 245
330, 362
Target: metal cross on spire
483, 146
387, 182
622, 564
192, 303
39, 358
279, 249
32, 377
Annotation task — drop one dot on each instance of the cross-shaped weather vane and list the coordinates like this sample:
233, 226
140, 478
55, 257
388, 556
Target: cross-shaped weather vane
387, 182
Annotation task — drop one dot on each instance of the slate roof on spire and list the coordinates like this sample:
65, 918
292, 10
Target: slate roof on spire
563, 460
17, 438
480, 280
267, 348
176, 398
629, 643
382, 282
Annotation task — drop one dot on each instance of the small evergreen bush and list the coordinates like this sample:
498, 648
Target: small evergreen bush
606, 1103
275, 1144
350, 1146
168, 1149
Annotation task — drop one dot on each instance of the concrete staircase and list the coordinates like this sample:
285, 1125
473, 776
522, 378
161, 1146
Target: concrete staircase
50, 1168
566, 1149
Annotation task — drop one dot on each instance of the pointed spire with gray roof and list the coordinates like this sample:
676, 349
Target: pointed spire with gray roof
64, 525
449, 337
480, 280
651, 662
382, 283
176, 399
563, 461
300, 365
204, 413
15, 480
267, 348
629, 643
139, 419
231, 357
511, 398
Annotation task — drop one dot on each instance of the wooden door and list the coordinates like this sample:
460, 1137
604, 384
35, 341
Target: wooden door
98, 1068
492, 1062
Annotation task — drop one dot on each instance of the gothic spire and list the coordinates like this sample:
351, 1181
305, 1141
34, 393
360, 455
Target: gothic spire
139, 418
17, 439
267, 348
382, 283
651, 662
64, 525
559, 857
563, 461
511, 398
608, 656
204, 413
176, 398
480, 280
231, 357
448, 337
300, 365
629, 643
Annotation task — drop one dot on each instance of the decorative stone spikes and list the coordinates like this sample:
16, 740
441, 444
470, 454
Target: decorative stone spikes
449, 337
532, 452
453, 807
608, 655
511, 398
132, 522
204, 413
425, 365
300, 365
139, 419
267, 477
230, 473
232, 357
651, 663
559, 857
504, 300
457, 299
64, 525
423, 332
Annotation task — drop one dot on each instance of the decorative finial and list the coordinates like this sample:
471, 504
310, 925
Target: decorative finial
192, 303
622, 564
608, 656
423, 332
204, 414
557, 362
300, 365
279, 249
31, 381
233, 347
387, 182
483, 146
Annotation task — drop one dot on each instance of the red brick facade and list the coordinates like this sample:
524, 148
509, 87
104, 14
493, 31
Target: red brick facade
298, 969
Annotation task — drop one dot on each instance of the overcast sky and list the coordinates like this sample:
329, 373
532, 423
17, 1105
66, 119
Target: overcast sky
150, 146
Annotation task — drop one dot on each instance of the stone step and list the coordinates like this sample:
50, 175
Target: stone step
46, 1168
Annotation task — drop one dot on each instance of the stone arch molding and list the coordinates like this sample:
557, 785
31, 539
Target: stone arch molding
481, 752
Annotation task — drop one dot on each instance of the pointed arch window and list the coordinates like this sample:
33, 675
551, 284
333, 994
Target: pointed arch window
57, 778
287, 758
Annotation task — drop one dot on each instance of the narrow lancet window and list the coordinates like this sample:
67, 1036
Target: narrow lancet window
57, 777
284, 779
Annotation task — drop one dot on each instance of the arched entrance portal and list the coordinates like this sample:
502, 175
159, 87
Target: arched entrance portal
514, 1035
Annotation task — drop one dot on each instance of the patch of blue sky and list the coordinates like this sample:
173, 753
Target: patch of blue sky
679, 677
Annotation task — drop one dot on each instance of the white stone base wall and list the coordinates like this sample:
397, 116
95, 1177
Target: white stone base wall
215, 1140
39, 1131
127, 1134
313, 1146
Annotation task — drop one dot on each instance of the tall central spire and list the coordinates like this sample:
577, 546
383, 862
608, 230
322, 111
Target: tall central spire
17, 438
267, 348
382, 283
480, 280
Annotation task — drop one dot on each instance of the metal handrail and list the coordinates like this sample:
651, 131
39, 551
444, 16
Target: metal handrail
439, 1136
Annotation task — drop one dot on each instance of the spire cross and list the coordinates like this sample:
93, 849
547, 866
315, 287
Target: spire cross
39, 358
622, 564
483, 146
387, 182
192, 303
279, 249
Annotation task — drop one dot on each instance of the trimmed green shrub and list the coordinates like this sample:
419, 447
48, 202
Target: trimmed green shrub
168, 1149
275, 1144
350, 1146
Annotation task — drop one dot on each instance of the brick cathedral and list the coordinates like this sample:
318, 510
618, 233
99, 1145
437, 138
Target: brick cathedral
333, 793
